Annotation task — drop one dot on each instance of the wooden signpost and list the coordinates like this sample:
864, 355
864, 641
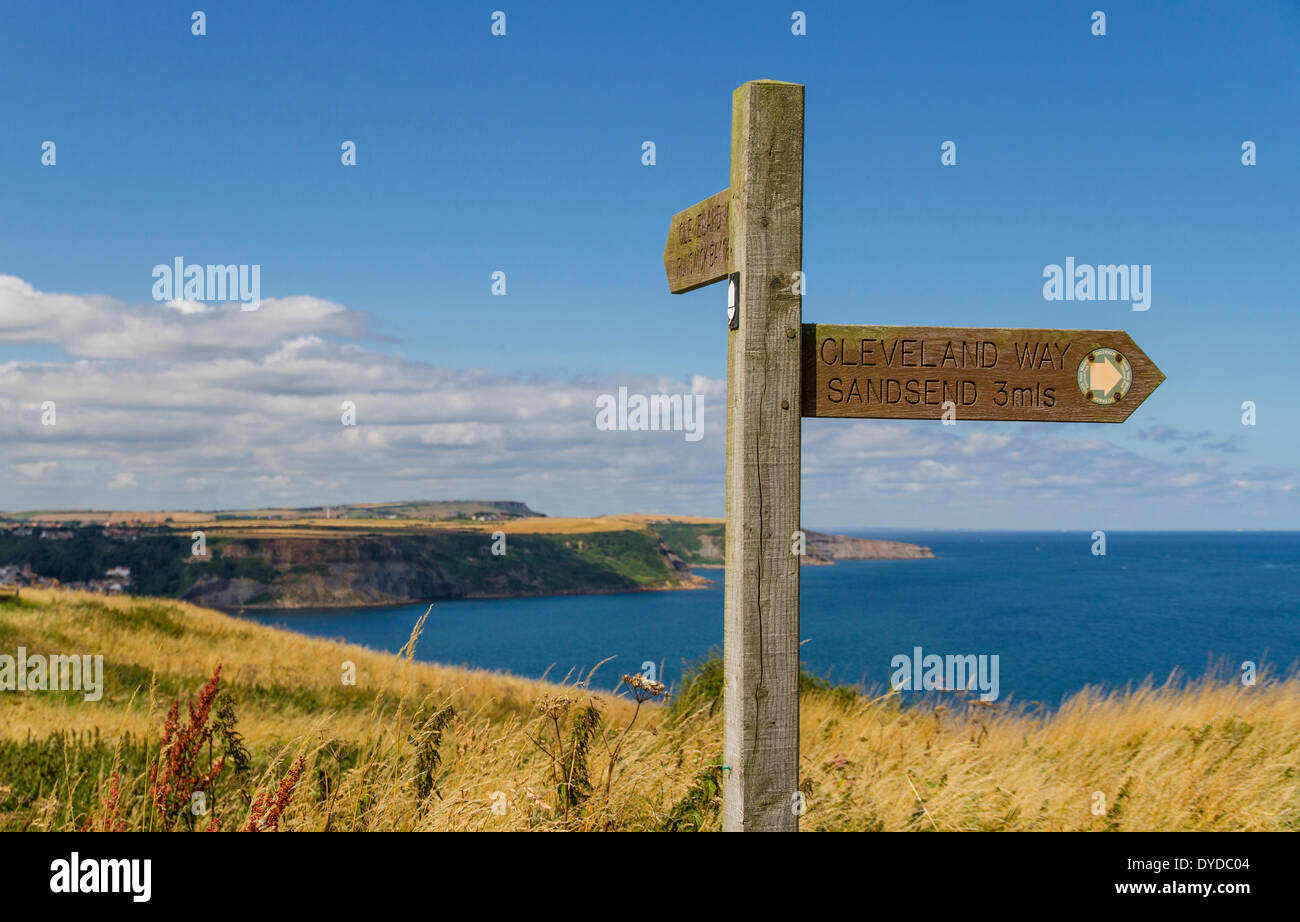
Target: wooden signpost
780, 370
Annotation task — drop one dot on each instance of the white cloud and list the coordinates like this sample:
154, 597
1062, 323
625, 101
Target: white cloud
188, 307
227, 407
220, 407
94, 326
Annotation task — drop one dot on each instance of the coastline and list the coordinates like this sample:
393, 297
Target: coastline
277, 564
698, 583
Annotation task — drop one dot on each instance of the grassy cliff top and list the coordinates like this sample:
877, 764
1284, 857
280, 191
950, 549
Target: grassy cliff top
418, 746
418, 510
361, 518
533, 525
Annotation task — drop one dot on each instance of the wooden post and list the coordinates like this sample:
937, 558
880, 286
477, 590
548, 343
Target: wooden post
765, 226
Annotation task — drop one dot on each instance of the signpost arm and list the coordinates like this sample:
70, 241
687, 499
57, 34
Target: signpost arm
761, 700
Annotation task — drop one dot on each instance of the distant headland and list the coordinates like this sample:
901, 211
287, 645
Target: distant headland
376, 553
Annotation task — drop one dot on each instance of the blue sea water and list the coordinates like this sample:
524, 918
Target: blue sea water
1057, 617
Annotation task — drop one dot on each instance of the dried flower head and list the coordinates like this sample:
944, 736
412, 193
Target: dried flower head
643, 689
554, 706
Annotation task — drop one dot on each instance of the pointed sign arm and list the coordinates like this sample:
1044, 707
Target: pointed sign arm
1051, 376
698, 250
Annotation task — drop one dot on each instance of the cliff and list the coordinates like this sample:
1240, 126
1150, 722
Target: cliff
276, 563
389, 569
825, 549
704, 545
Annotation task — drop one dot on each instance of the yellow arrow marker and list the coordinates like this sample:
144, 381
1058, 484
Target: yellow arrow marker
1105, 376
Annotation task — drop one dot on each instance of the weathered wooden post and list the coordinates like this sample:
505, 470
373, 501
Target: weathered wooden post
752, 232
761, 696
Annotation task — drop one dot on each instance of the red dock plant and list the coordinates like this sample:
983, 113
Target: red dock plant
108, 817
267, 807
178, 775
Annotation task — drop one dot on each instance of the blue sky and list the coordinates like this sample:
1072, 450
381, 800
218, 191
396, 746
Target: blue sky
523, 153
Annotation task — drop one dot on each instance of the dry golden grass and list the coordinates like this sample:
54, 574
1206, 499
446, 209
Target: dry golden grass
1200, 757
251, 656
1211, 756
100, 516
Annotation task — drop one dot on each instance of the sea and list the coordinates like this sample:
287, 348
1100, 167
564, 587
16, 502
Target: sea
1057, 616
